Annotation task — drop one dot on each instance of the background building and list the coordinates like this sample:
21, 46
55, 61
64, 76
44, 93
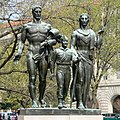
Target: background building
108, 94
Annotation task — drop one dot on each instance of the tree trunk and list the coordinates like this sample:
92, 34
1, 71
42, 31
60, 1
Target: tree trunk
94, 95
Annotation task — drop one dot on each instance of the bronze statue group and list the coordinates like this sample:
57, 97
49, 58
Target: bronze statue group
41, 56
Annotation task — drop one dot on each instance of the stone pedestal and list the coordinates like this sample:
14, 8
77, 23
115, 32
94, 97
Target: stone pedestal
59, 114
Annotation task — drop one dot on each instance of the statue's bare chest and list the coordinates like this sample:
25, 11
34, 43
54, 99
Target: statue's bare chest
37, 32
37, 28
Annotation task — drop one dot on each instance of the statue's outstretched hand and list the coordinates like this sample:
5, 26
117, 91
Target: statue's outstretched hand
44, 43
76, 60
51, 76
17, 58
100, 31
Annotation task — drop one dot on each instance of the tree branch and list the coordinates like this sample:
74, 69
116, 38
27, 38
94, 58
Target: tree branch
5, 89
9, 72
14, 46
7, 44
9, 31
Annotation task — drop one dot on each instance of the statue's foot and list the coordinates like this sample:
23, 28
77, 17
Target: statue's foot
81, 106
64, 104
34, 104
60, 105
43, 103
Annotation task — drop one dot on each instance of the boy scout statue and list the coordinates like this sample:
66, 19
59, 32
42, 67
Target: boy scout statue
62, 57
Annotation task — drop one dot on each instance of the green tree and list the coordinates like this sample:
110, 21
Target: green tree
106, 59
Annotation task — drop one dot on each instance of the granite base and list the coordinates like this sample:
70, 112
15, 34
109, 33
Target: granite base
59, 114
